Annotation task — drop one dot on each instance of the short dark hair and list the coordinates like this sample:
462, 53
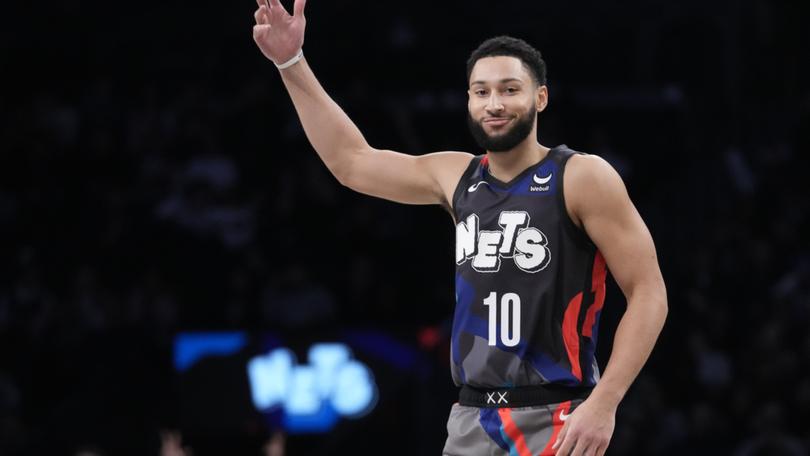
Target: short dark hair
511, 47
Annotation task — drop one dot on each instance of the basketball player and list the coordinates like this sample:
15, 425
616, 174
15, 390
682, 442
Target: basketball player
537, 228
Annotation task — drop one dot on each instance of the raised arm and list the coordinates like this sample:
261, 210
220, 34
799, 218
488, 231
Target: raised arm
597, 199
425, 179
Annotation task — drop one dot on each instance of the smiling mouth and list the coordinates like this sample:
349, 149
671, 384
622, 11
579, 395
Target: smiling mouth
497, 121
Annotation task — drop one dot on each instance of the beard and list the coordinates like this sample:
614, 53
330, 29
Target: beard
507, 140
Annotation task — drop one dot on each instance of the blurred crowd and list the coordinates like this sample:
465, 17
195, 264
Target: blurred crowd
174, 190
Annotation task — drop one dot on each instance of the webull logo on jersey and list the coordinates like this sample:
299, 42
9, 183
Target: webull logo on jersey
525, 245
541, 183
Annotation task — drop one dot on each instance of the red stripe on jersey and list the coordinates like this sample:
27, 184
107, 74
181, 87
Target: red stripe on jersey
558, 423
571, 335
485, 160
598, 288
514, 433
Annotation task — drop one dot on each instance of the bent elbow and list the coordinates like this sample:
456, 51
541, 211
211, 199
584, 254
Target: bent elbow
663, 303
346, 174
348, 171
343, 175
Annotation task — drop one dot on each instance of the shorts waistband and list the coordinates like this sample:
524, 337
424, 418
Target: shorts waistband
522, 396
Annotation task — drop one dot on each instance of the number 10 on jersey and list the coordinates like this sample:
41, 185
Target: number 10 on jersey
510, 307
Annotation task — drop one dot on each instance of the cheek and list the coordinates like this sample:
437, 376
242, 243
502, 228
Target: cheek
529, 108
473, 110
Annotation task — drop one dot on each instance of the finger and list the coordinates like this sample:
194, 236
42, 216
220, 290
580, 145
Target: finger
566, 446
581, 449
261, 15
275, 13
276, 5
263, 4
600, 450
560, 437
298, 7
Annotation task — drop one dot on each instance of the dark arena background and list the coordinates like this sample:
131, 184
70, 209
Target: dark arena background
181, 274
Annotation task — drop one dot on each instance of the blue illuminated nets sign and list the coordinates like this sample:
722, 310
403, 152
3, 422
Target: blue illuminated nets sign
315, 395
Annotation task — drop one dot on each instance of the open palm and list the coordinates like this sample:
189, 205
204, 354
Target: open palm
278, 34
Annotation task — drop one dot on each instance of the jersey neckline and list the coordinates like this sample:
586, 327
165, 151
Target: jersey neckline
489, 177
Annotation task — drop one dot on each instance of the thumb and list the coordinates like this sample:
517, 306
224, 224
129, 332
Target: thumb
298, 7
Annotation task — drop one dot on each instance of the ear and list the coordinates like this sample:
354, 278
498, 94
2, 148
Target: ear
541, 98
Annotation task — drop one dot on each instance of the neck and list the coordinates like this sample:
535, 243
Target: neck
506, 165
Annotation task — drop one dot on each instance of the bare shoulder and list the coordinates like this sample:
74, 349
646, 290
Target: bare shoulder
591, 170
447, 168
592, 185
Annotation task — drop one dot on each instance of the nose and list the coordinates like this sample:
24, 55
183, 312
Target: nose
494, 103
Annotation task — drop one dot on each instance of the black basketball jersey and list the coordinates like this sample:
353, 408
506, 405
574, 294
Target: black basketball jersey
530, 284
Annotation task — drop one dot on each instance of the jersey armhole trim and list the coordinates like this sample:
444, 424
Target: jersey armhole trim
459, 187
577, 233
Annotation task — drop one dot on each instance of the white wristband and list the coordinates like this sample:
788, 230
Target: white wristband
292, 61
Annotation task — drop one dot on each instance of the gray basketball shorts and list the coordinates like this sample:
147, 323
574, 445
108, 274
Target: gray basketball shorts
521, 431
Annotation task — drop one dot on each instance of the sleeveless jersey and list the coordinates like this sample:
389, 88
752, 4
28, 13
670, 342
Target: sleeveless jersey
530, 284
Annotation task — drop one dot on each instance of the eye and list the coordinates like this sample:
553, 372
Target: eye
512, 90
480, 92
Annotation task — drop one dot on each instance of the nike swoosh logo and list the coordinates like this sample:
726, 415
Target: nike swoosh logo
563, 416
541, 180
474, 186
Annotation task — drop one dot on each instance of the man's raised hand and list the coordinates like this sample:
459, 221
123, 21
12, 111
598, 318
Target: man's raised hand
278, 34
